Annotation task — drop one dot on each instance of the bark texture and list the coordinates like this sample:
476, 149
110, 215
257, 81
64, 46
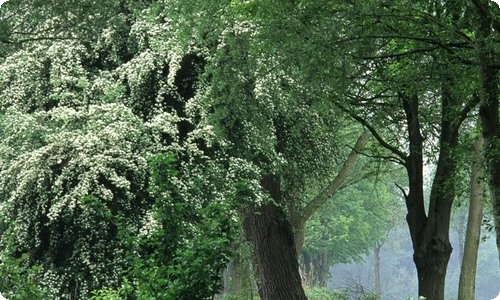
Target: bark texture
430, 232
268, 230
467, 283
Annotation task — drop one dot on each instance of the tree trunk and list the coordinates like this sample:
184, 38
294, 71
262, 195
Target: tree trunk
461, 230
308, 269
268, 230
489, 94
431, 262
299, 217
467, 283
376, 268
323, 269
236, 276
299, 228
430, 234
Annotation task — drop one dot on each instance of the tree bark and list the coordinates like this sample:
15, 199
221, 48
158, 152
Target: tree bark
268, 230
308, 269
467, 283
323, 267
488, 112
236, 276
430, 234
376, 268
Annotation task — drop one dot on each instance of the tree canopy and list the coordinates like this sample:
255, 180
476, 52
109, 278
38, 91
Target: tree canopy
138, 138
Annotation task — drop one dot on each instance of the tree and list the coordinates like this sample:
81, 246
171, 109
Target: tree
80, 121
467, 283
65, 200
429, 230
265, 118
346, 228
487, 27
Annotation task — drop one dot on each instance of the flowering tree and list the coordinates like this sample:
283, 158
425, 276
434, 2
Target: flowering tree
89, 124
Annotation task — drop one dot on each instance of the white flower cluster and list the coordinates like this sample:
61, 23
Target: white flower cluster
74, 172
41, 77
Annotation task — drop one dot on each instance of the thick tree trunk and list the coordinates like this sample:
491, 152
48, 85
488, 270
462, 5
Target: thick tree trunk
430, 234
268, 230
431, 262
467, 283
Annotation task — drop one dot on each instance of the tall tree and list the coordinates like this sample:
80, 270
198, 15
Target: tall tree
272, 125
467, 282
85, 107
487, 32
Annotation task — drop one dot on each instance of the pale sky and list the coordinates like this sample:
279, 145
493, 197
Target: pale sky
2, 1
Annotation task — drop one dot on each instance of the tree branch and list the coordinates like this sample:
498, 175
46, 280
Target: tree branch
374, 132
337, 182
485, 13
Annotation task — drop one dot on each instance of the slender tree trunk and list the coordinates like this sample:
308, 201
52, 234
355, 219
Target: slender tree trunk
461, 230
299, 228
308, 269
268, 230
236, 276
376, 268
467, 283
323, 268
489, 94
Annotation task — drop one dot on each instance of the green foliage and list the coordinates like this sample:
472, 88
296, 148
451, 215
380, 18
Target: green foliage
185, 247
21, 280
107, 294
92, 100
350, 225
371, 296
71, 180
317, 293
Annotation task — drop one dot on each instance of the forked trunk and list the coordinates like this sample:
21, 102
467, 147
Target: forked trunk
430, 232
